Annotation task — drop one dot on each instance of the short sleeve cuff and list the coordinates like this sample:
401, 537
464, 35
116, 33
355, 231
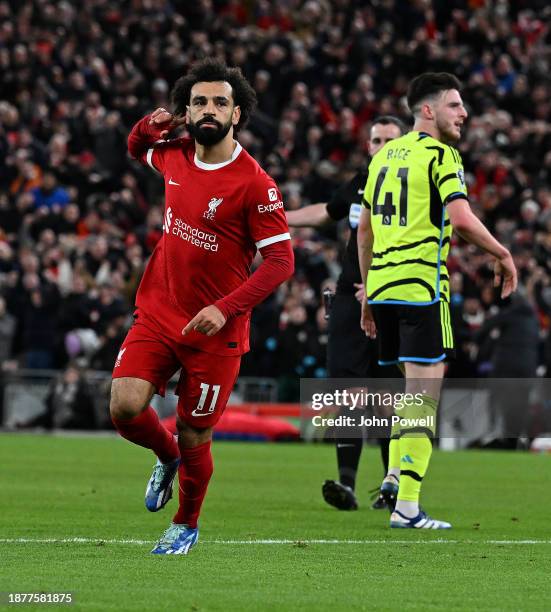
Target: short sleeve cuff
456, 196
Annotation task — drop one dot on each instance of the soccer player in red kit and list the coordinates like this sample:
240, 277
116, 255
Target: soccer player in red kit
194, 302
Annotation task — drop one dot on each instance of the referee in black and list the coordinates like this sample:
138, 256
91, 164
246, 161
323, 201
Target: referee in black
350, 354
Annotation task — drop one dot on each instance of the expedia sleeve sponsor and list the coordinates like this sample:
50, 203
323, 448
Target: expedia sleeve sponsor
267, 208
265, 212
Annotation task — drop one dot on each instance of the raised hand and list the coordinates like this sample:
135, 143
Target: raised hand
164, 121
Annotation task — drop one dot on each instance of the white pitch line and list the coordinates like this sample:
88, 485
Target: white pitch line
70, 541
297, 542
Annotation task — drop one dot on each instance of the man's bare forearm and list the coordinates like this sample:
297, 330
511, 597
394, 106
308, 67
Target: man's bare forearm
471, 229
314, 215
477, 234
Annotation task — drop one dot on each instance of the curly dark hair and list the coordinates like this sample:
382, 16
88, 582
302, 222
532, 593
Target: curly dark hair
208, 71
427, 85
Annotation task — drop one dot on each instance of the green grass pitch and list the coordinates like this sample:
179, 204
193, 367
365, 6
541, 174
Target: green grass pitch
497, 557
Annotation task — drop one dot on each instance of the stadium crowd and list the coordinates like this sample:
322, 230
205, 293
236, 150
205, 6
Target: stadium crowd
79, 218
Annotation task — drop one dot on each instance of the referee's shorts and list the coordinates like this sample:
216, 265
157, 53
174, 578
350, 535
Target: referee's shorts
350, 353
418, 334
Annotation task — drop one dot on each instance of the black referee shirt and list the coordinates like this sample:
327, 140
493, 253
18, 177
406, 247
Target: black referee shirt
347, 202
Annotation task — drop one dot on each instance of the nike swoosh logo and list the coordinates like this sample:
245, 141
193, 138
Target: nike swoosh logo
198, 414
171, 182
360, 191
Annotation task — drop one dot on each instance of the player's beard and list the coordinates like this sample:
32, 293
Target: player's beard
209, 137
446, 134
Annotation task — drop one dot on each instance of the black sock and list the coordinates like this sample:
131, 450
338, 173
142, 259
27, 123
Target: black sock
348, 457
384, 444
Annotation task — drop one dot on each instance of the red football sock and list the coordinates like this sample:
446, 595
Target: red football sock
147, 430
194, 475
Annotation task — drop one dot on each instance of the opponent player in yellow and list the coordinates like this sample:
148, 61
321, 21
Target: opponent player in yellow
414, 196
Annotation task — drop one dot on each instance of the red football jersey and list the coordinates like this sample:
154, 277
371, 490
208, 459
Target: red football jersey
216, 217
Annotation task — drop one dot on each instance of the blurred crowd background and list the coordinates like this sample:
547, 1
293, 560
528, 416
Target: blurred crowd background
79, 218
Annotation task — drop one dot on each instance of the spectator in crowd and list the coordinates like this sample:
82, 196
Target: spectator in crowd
7, 332
39, 326
515, 334
49, 195
69, 403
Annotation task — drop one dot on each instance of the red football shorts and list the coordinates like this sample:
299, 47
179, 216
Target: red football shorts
206, 380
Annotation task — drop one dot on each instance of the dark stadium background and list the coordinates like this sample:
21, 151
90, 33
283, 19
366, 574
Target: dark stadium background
79, 218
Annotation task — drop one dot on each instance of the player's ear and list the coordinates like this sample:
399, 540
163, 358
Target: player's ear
236, 115
426, 111
187, 116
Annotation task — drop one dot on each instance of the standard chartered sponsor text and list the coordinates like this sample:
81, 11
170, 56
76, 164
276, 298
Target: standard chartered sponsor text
195, 236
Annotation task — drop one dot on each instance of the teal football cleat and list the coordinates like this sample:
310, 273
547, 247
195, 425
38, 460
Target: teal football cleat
159, 487
389, 491
421, 521
176, 540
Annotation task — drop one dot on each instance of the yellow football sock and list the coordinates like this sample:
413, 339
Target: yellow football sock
394, 451
414, 461
416, 448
